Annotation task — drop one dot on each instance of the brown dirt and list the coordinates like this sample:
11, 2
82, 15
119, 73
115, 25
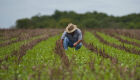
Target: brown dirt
23, 35
60, 51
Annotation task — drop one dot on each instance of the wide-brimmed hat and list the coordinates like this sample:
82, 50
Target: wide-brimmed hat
71, 28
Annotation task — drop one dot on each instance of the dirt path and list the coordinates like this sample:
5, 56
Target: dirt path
62, 54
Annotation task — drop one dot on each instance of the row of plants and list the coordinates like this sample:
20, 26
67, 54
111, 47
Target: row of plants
7, 50
88, 65
41, 62
130, 39
44, 62
131, 33
3, 41
25, 38
37, 63
23, 35
122, 40
116, 41
16, 51
125, 59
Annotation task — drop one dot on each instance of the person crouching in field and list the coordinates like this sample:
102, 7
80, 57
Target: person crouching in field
72, 37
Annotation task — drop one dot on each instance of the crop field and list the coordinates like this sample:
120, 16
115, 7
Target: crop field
35, 54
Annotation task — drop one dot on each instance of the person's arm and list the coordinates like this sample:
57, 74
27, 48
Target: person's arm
77, 43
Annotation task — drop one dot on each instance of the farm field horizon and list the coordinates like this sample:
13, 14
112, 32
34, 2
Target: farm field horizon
35, 54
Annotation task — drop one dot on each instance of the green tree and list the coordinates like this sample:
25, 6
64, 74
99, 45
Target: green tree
60, 19
90, 23
24, 23
63, 22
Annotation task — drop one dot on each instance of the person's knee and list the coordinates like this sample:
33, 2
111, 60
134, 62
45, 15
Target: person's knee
65, 43
66, 39
78, 46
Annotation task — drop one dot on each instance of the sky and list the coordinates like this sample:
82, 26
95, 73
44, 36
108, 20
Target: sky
11, 10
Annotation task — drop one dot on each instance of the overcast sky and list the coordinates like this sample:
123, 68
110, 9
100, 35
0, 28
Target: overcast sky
11, 10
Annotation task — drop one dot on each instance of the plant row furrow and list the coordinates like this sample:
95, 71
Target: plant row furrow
62, 54
23, 36
129, 63
20, 60
100, 52
121, 39
121, 47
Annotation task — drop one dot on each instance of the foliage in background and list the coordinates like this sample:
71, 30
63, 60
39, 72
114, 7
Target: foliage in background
60, 19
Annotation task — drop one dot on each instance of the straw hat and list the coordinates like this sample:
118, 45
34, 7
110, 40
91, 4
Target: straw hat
71, 28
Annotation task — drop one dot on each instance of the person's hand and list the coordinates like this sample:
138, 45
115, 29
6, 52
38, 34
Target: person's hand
75, 44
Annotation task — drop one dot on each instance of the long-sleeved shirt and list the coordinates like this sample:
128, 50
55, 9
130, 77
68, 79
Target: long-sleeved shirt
73, 38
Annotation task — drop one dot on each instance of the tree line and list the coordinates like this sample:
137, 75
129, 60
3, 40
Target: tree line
60, 19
